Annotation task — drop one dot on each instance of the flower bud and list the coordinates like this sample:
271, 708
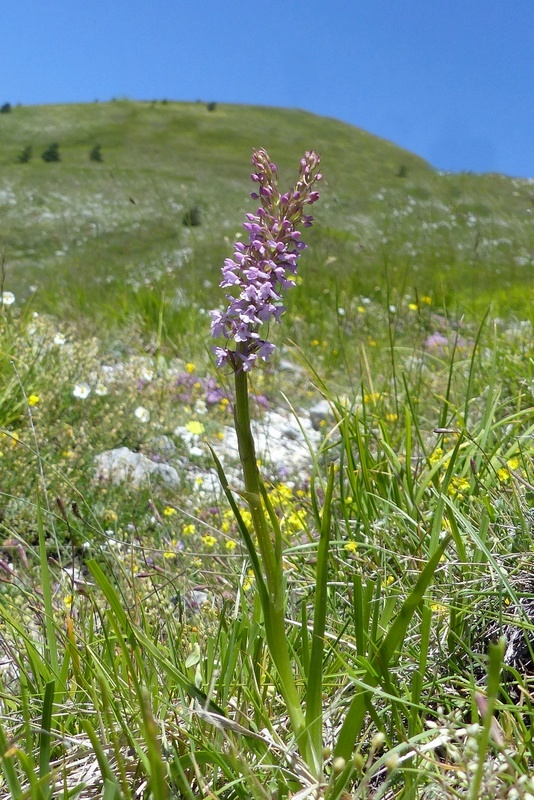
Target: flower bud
391, 761
338, 765
378, 741
358, 761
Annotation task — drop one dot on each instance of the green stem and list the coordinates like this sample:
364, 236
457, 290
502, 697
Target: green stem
274, 605
247, 455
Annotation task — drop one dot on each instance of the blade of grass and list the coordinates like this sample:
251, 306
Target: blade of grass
496, 655
251, 550
7, 752
352, 723
110, 781
50, 630
45, 735
139, 638
314, 693
471, 372
158, 783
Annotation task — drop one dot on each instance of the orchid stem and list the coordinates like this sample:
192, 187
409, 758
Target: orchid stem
274, 605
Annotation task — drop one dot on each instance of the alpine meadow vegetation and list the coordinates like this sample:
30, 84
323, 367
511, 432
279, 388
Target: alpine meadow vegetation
283, 548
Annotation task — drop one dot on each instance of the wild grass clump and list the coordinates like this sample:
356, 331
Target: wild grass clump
377, 642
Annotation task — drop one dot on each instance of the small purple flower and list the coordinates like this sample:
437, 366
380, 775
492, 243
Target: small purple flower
436, 340
260, 271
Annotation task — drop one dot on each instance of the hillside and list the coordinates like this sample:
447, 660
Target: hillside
69, 228
316, 582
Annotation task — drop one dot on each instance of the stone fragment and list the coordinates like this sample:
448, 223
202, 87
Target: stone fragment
121, 464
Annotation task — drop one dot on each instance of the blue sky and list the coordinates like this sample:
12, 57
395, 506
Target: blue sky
451, 80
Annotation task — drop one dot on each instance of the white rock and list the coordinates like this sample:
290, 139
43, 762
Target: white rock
280, 440
122, 464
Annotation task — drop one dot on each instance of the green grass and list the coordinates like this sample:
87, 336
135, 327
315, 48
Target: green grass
87, 234
133, 654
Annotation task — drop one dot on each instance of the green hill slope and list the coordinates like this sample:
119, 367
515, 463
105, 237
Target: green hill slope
88, 236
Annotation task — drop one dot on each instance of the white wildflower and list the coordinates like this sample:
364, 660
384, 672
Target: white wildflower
81, 391
201, 407
142, 414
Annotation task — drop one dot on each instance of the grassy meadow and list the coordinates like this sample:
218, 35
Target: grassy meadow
133, 655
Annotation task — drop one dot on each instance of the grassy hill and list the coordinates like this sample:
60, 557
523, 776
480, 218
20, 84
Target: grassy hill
70, 228
395, 563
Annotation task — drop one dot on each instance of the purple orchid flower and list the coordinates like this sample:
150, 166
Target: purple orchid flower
261, 270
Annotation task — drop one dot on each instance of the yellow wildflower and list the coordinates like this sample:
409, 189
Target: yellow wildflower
436, 456
230, 545
458, 486
371, 398
248, 581
284, 491
295, 521
189, 367
188, 529
351, 547
168, 511
33, 399
195, 427
208, 540
246, 516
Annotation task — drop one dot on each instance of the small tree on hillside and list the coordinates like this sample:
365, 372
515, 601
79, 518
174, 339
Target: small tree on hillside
25, 155
6, 108
51, 153
96, 153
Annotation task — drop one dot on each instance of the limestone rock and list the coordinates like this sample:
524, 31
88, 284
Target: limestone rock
122, 464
